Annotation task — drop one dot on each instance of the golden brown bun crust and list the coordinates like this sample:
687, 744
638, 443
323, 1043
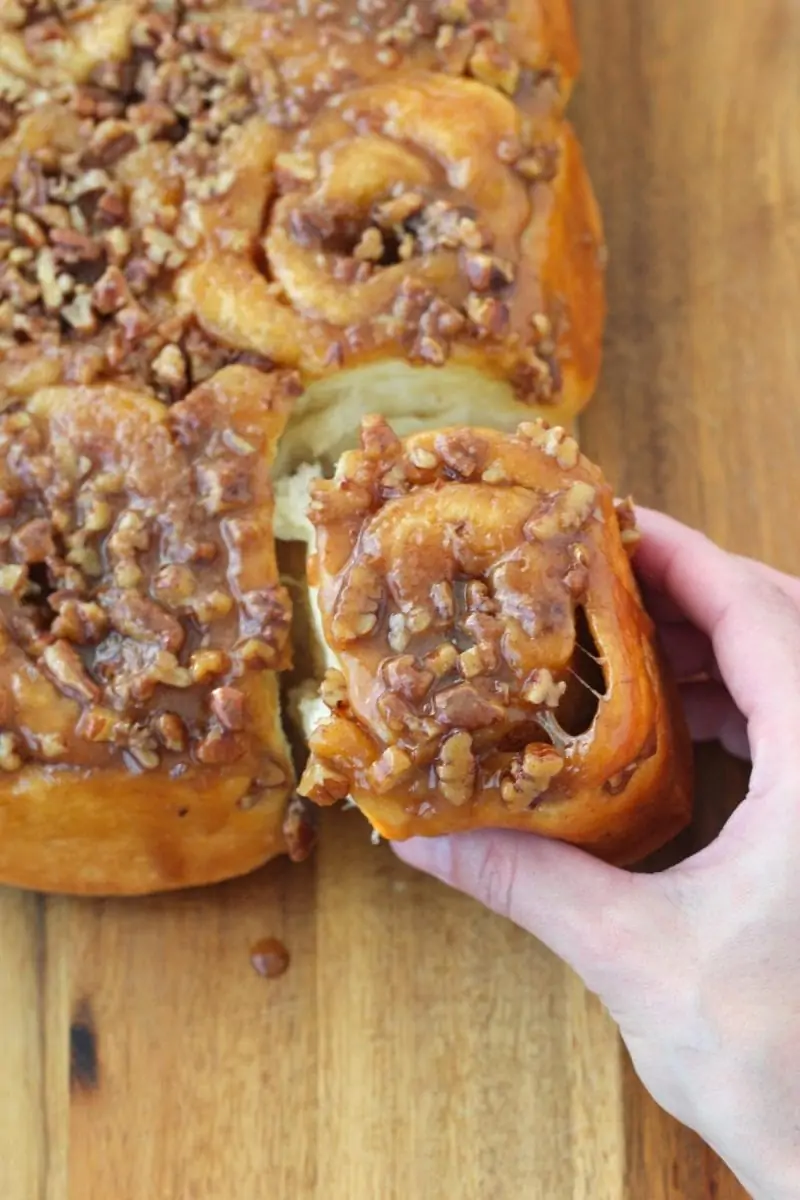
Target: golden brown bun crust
143, 623
423, 219
298, 54
453, 569
316, 189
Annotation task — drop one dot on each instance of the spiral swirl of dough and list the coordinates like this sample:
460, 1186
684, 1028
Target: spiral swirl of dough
496, 665
423, 218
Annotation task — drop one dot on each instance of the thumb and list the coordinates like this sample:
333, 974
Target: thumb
597, 918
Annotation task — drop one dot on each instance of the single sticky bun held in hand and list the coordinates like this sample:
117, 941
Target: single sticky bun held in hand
143, 624
494, 663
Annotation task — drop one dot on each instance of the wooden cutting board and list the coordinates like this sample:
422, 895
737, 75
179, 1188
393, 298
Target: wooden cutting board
418, 1048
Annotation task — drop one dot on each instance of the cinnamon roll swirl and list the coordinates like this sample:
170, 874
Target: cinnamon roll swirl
494, 664
143, 626
415, 224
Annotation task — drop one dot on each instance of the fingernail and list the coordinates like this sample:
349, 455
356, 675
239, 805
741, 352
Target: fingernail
433, 855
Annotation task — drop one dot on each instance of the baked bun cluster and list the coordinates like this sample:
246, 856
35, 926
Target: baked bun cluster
230, 232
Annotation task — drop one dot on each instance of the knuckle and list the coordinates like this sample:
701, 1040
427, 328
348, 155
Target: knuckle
494, 874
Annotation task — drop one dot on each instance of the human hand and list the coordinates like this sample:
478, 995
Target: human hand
699, 965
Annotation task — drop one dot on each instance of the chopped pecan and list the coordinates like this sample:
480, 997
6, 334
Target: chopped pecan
127, 574
626, 518
478, 598
463, 706
211, 606
330, 502
562, 512
33, 542
441, 660
495, 473
424, 459
174, 585
228, 705
553, 441
111, 141
478, 660
65, 665
370, 247
323, 784
431, 350
142, 619
255, 653
394, 482
130, 534
540, 165
172, 732
577, 576
82, 622
79, 314
14, 580
358, 604
418, 619
399, 635
99, 515
531, 776
223, 485
405, 676
378, 439
493, 64
397, 210
444, 601
391, 769
73, 248
266, 613
110, 293
395, 712
456, 768
541, 689
209, 664
221, 747
463, 452
486, 272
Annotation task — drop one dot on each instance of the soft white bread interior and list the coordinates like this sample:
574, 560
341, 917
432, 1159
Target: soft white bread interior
327, 416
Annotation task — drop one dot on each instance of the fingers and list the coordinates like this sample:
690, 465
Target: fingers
787, 583
752, 623
595, 917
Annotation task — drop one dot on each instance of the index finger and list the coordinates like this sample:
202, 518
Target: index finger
753, 624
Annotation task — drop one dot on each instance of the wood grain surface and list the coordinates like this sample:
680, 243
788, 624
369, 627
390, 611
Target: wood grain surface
418, 1048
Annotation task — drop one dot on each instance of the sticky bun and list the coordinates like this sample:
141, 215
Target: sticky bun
492, 661
143, 627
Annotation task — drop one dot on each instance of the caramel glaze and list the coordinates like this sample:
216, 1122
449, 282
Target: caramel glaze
399, 226
451, 568
311, 185
143, 623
